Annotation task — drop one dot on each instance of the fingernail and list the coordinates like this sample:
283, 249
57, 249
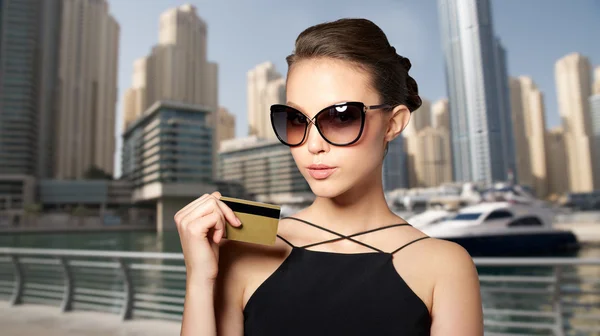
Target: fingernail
239, 221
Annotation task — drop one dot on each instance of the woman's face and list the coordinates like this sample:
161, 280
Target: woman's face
313, 85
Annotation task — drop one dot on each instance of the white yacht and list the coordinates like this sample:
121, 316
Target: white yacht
500, 228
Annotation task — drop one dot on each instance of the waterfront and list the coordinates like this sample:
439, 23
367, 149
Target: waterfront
160, 289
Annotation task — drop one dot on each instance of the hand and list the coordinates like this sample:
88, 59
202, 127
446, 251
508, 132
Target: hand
201, 226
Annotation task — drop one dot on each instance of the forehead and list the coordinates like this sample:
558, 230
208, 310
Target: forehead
315, 84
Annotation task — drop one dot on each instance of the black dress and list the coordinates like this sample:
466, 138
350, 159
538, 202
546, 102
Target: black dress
326, 293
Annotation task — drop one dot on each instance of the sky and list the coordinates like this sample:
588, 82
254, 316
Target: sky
244, 33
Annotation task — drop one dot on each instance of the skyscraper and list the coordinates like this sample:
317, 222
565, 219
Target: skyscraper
528, 117
478, 92
18, 85
89, 47
176, 69
558, 177
58, 74
225, 125
595, 117
266, 87
394, 174
573, 86
419, 119
441, 117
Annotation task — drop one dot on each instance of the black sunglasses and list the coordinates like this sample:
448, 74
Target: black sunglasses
340, 124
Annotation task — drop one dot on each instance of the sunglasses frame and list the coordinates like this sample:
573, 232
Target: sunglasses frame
363, 108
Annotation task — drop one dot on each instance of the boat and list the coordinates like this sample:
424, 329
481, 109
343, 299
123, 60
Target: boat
502, 228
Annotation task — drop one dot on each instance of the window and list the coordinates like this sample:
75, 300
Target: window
499, 214
526, 221
467, 216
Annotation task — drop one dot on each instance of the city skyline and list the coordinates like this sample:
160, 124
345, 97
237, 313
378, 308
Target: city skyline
530, 51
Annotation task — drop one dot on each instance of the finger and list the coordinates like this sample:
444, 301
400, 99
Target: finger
190, 206
229, 214
219, 231
201, 227
207, 207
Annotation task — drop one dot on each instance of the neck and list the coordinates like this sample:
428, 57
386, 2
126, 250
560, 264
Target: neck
359, 209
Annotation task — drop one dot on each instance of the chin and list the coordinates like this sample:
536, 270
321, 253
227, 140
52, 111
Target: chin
327, 189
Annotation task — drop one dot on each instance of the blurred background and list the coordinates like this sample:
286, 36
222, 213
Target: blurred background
114, 114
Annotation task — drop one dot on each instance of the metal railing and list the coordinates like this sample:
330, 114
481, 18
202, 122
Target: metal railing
521, 296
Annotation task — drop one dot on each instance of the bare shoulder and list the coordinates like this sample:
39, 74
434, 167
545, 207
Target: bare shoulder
448, 257
456, 306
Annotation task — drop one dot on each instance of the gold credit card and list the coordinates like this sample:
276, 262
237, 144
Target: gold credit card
259, 221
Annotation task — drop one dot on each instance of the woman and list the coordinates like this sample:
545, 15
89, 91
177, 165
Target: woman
346, 265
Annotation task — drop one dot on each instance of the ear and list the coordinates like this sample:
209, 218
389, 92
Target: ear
398, 122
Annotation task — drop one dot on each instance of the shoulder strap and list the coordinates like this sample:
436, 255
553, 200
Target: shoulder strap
286, 241
341, 236
411, 242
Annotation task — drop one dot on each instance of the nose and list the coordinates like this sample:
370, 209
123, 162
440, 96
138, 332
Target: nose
316, 143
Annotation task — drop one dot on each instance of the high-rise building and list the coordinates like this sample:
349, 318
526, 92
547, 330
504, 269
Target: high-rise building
558, 177
58, 75
441, 116
595, 118
18, 86
419, 119
266, 87
176, 69
528, 117
167, 156
20, 41
477, 84
573, 86
395, 174
89, 47
434, 160
225, 125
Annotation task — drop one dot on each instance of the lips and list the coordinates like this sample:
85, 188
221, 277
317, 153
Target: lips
320, 171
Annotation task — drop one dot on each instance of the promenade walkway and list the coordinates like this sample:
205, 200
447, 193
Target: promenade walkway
26, 320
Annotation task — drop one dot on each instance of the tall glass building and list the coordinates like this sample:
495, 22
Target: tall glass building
171, 143
395, 169
477, 84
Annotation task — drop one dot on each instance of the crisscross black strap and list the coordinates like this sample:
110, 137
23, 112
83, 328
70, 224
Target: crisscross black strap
341, 236
411, 242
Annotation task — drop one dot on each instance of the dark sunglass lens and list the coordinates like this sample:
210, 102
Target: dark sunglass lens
289, 125
341, 124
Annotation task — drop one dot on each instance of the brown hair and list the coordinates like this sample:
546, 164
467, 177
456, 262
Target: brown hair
363, 43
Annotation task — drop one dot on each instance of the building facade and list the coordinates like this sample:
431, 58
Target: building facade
395, 166
176, 69
476, 76
266, 87
529, 126
574, 87
172, 143
87, 97
58, 75
19, 45
225, 125
558, 176
265, 167
168, 157
419, 119
595, 118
